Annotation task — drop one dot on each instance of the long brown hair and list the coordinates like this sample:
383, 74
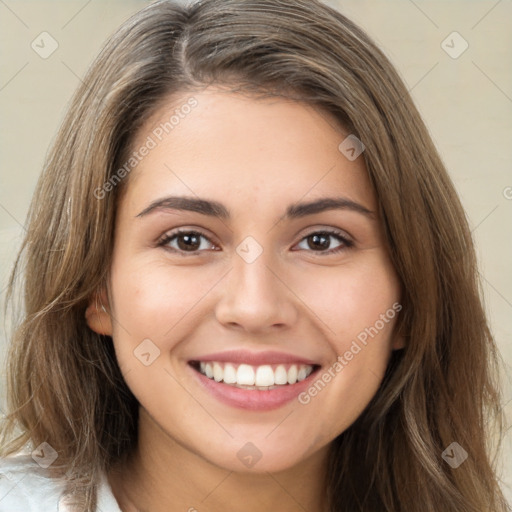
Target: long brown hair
64, 384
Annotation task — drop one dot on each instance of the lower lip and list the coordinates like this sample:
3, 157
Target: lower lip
254, 399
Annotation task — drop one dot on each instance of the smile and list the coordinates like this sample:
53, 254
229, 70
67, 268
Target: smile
262, 377
254, 381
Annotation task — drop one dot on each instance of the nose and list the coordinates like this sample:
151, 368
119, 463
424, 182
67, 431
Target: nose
256, 298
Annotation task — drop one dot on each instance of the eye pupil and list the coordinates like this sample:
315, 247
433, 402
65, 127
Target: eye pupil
321, 241
188, 242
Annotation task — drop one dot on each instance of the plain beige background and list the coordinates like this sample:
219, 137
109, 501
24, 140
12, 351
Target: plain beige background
464, 95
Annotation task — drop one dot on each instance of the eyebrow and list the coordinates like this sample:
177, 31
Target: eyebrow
216, 209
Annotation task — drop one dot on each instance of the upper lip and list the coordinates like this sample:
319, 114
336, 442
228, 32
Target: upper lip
254, 358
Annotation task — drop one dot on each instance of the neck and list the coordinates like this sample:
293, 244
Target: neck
165, 476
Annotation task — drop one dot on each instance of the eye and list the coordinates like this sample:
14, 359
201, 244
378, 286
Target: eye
185, 241
319, 241
190, 241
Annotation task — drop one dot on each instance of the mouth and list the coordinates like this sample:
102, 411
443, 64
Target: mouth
254, 381
262, 377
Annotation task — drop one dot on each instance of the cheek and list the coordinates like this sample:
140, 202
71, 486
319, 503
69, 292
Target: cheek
153, 306
151, 298
359, 308
349, 299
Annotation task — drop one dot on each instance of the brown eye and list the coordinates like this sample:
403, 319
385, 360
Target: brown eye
188, 242
322, 242
185, 241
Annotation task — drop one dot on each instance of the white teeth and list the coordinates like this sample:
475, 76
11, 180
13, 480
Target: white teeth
262, 377
280, 375
229, 374
218, 372
302, 374
292, 374
245, 375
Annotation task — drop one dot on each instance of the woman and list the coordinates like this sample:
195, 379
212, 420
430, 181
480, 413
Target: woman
249, 282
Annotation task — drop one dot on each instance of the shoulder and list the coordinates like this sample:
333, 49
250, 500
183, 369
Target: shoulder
27, 486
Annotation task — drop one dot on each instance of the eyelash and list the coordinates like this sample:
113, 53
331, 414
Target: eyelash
346, 244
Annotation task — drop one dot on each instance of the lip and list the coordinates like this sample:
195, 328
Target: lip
254, 358
254, 399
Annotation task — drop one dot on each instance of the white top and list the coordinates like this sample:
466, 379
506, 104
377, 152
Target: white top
27, 486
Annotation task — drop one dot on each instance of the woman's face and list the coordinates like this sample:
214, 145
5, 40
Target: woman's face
270, 286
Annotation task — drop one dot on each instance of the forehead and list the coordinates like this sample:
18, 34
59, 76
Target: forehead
236, 147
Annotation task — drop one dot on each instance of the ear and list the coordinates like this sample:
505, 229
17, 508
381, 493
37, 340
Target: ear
398, 342
399, 338
98, 315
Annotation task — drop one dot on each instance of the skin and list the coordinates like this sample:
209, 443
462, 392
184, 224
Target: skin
256, 156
